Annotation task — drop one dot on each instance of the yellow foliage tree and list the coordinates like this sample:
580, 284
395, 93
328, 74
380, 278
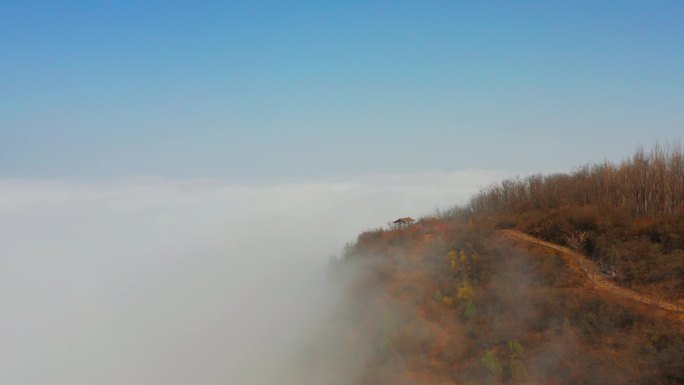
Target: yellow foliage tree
448, 300
453, 257
465, 292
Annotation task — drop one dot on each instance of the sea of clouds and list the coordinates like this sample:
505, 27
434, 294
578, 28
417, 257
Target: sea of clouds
157, 281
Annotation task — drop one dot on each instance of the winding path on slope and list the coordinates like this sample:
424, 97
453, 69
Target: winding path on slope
599, 281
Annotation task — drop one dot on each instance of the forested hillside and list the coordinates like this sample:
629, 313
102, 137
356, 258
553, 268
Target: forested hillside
452, 300
628, 217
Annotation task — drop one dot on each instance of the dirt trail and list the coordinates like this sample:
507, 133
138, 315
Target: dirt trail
598, 280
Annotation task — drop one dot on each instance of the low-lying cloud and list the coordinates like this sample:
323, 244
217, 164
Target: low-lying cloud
155, 281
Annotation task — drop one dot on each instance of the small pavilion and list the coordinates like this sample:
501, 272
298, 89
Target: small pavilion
403, 222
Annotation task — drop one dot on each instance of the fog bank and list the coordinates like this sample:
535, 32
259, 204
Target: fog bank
156, 281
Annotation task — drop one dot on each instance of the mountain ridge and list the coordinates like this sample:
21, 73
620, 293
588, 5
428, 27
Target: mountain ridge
508, 289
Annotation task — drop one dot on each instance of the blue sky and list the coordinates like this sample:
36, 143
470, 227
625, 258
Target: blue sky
273, 90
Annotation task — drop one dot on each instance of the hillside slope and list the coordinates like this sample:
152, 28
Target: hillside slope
628, 218
495, 293
446, 302
598, 279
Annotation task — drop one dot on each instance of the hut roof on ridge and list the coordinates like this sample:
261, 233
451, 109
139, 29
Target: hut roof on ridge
405, 220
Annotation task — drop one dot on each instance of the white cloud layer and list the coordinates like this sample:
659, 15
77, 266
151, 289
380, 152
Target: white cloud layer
182, 282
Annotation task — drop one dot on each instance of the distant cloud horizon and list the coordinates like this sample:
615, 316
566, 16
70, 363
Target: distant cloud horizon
180, 281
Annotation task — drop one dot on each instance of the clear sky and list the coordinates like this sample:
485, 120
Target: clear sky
312, 89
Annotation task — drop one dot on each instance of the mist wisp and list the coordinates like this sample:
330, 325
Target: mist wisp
181, 282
